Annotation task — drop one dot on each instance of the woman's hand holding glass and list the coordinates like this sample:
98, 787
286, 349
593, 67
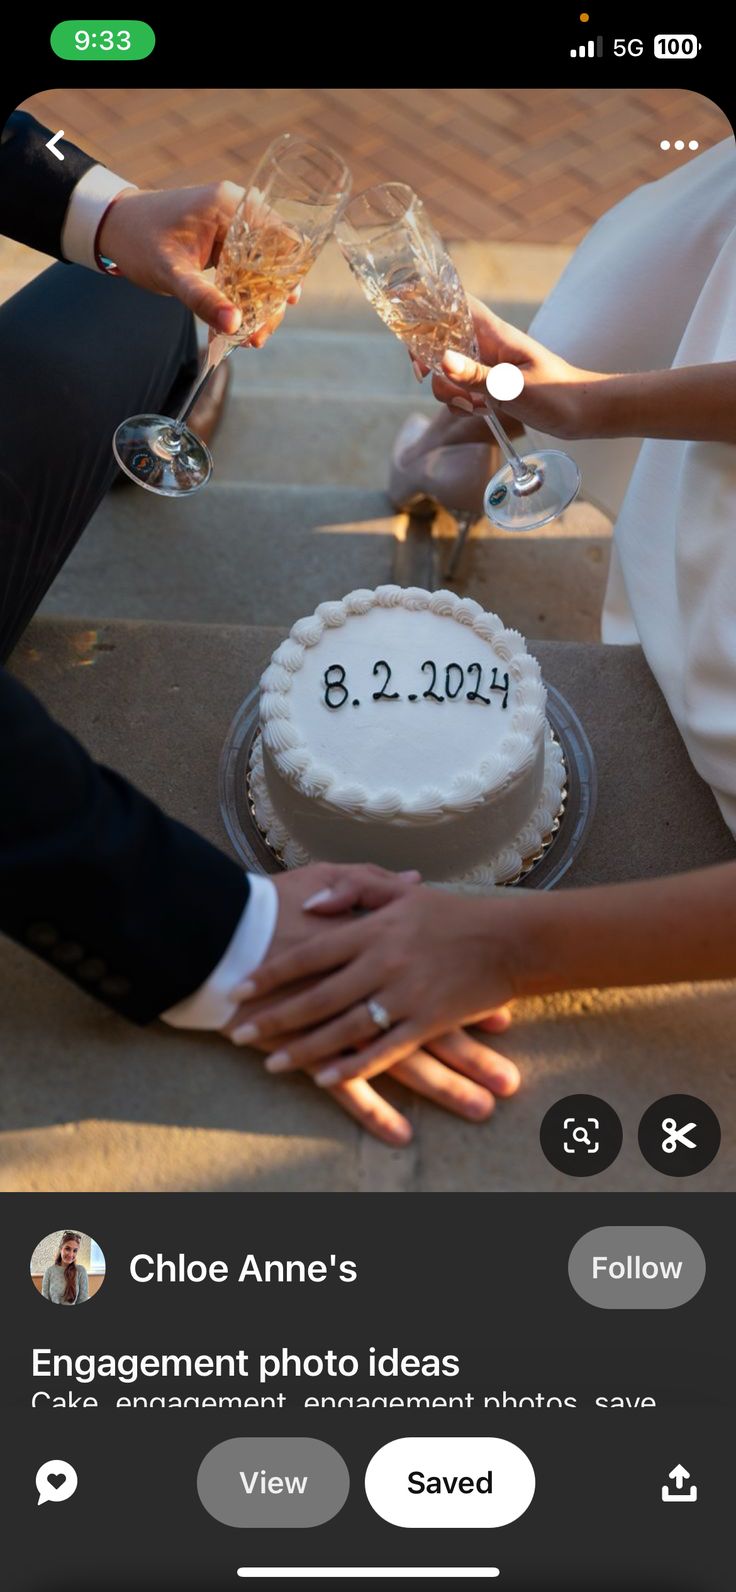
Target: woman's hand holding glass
556, 398
411, 281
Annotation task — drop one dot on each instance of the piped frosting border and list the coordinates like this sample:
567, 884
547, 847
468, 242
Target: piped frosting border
506, 865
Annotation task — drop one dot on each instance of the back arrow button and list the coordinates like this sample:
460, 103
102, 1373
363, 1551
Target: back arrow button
52, 145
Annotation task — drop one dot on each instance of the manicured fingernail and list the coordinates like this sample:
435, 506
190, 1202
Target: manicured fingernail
244, 992
280, 1061
463, 404
317, 900
327, 1076
412, 874
457, 364
245, 1034
417, 369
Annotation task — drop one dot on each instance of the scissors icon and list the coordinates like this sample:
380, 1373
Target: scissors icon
580, 1135
677, 1135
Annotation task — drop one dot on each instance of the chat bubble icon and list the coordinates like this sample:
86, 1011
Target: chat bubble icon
56, 1481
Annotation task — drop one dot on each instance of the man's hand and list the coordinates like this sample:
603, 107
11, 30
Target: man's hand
454, 1071
164, 240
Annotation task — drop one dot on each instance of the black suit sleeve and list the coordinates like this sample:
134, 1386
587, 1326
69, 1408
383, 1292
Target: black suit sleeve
35, 187
94, 878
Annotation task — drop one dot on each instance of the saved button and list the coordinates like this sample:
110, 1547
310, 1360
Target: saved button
450, 1482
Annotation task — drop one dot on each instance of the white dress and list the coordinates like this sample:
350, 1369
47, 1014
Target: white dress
654, 285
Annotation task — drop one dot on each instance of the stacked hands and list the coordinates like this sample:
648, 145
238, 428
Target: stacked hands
427, 959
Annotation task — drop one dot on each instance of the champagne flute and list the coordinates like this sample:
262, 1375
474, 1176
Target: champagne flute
408, 276
286, 216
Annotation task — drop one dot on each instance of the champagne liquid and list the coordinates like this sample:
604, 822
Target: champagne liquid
429, 314
258, 269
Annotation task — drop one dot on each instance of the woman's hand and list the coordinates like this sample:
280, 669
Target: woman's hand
556, 398
432, 962
164, 240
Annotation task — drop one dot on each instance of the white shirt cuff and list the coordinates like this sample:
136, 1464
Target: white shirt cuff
87, 206
211, 1006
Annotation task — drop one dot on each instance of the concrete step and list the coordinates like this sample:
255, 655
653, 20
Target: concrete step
548, 583
248, 554
234, 553
344, 364
311, 438
116, 1107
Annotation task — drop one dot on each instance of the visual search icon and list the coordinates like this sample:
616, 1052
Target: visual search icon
578, 1133
581, 1135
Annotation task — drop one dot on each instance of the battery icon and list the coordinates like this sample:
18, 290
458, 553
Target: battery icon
586, 51
676, 46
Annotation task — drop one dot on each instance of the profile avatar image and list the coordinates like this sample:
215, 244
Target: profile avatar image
67, 1267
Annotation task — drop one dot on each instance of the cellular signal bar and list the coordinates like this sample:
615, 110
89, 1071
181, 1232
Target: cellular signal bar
593, 47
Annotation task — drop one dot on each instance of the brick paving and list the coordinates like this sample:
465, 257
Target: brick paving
516, 165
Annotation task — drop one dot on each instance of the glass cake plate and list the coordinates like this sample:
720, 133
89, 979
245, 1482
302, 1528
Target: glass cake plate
540, 872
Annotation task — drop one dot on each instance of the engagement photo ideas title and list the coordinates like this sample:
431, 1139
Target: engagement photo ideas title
264, 1368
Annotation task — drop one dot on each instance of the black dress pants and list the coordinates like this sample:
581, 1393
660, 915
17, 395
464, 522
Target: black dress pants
79, 352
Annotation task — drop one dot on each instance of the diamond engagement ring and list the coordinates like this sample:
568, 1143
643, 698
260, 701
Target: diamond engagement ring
379, 1014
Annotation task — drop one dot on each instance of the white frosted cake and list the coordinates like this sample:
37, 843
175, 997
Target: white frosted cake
406, 728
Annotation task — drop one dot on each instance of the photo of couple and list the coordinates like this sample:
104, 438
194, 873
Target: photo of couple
179, 282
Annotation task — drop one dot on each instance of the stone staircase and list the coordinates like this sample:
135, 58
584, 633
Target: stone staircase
150, 638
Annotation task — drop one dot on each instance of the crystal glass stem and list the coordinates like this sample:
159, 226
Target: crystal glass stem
508, 451
218, 349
